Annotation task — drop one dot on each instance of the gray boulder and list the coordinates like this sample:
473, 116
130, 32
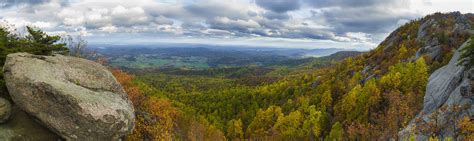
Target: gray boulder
5, 110
76, 98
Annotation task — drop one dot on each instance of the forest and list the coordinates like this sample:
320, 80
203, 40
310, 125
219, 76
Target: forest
353, 96
381, 90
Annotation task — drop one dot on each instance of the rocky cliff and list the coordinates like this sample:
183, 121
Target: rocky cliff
75, 98
449, 93
448, 99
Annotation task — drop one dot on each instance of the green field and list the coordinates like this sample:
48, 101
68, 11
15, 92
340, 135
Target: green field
144, 62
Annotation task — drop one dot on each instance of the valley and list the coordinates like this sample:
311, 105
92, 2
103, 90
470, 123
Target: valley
293, 98
239, 70
194, 57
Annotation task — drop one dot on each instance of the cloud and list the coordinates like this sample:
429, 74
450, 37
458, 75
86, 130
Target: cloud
225, 23
162, 20
279, 6
109, 29
10, 3
130, 16
342, 21
363, 19
28, 3
273, 15
356, 3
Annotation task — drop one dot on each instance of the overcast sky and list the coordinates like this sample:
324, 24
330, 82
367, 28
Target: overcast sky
360, 24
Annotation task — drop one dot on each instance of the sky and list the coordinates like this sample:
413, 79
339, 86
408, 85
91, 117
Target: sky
352, 24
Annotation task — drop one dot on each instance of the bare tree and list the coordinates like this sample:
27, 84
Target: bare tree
78, 47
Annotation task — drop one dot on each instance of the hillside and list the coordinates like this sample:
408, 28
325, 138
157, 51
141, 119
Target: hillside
382, 90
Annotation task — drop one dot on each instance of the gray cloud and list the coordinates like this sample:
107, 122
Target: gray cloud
279, 6
368, 16
355, 3
278, 16
368, 20
217, 9
12, 3
163, 20
9, 3
334, 20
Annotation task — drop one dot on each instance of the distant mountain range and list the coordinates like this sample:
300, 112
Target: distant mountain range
287, 52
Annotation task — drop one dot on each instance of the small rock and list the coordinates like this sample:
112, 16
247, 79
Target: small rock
5, 110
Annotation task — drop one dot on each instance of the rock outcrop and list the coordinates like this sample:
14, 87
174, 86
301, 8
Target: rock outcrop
76, 98
448, 98
431, 45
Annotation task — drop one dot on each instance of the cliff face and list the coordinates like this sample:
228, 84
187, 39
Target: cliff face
447, 100
449, 93
437, 38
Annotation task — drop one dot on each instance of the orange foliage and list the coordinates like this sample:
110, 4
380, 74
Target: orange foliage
155, 117
133, 91
160, 121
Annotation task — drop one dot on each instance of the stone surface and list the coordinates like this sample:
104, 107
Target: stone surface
21, 127
76, 98
5, 110
441, 84
447, 87
431, 45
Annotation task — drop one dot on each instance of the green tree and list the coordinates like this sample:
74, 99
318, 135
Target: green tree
402, 53
43, 44
289, 127
326, 99
312, 124
234, 129
260, 127
368, 98
420, 78
347, 105
336, 133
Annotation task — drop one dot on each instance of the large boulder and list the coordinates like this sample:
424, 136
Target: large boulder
76, 98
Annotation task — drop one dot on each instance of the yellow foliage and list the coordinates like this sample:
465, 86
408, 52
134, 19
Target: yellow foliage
467, 128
